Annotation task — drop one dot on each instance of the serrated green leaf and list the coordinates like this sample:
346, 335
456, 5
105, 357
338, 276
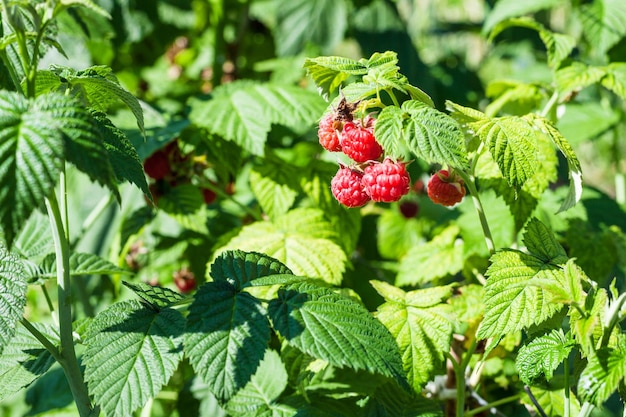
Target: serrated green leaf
398, 403
24, 359
97, 87
573, 165
278, 279
12, 295
577, 76
122, 154
82, 264
602, 22
512, 145
512, 302
389, 292
542, 243
397, 234
157, 297
605, 371
275, 184
302, 239
244, 112
432, 260
34, 241
185, 204
132, 351
505, 9
423, 333
615, 79
226, 336
87, 4
31, 155
542, 355
328, 72
552, 400
389, 129
588, 329
513, 97
259, 395
321, 323
462, 114
241, 268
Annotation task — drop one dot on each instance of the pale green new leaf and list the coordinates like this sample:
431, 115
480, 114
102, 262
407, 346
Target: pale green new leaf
588, 329
542, 355
397, 234
243, 112
302, 239
259, 395
429, 261
226, 336
34, 241
573, 165
604, 372
505, 9
603, 23
328, 72
24, 359
615, 79
31, 154
513, 96
389, 292
422, 332
12, 295
241, 268
132, 351
512, 302
389, 129
157, 297
275, 184
462, 114
577, 76
513, 146
81, 264
335, 328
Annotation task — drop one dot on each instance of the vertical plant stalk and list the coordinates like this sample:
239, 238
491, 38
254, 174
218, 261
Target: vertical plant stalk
68, 359
469, 183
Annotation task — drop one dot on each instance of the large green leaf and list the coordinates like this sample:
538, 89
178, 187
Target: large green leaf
241, 268
428, 133
243, 112
326, 21
12, 295
604, 373
321, 323
542, 355
275, 183
512, 144
132, 351
577, 76
24, 359
97, 87
505, 9
302, 239
226, 336
603, 23
81, 264
398, 403
422, 330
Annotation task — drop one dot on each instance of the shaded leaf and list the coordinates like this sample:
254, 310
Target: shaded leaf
81, 264
505, 9
157, 297
242, 269
12, 295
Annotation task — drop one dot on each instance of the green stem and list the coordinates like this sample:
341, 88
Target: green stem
469, 182
612, 318
67, 359
566, 393
585, 410
50, 303
494, 404
93, 216
550, 105
459, 374
42, 338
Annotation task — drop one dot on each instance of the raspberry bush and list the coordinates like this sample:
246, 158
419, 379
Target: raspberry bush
200, 216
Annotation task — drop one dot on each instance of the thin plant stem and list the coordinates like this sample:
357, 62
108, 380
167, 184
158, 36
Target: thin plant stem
534, 401
43, 339
586, 410
566, 394
494, 404
68, 359
93, 216
50, 304
552, 102
612, 317
469, 183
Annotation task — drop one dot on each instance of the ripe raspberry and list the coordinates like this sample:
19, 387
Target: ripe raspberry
157, 165
328, 133
208, 195
386, 181
445, 189
358, 142
347, 188
185, 280
409, 209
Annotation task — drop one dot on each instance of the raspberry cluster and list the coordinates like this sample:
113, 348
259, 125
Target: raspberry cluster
370, 177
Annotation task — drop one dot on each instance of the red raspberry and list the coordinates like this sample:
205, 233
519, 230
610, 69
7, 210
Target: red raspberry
328, 133
386, 181
185, 280
347, 187
208, 195
359, 143
409, 209
157, 165
446, 189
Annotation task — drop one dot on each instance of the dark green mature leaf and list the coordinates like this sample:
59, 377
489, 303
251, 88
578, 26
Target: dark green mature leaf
226, 336
422, 330
122, 154
132, 351
512, 144
603, 23
24, 359
542, 355
31, 154
335, 328
34, 241
428, 133
97, 87
542, 243
505, 9
398, 403
12, 295
185, 204
157, 297
604, 372
241, 268
243, 112
81, 264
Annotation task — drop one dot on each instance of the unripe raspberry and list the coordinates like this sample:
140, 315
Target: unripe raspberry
348, 189
359, 143
446, 189
386, 181
328, 133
